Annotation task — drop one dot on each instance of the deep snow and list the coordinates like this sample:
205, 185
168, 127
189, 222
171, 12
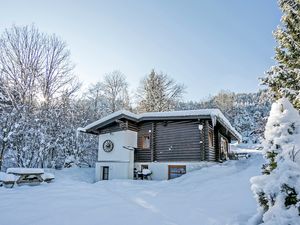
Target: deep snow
219, 194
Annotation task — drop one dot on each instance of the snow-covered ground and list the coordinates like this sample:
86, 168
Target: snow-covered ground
219, 194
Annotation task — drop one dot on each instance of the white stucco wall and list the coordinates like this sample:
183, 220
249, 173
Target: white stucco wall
120, 160
120, 139
160, 170
117, 170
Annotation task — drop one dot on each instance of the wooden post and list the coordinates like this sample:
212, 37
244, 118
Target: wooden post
205, 142
201, 133
152, 145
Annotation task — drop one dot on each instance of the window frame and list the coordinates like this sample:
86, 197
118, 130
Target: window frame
143, 141
179, 167
144, 166
224, 146
210, 138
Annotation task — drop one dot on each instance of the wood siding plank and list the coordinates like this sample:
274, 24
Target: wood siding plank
177, 141
140, 154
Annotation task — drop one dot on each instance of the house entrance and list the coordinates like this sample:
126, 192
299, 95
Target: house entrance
105, 172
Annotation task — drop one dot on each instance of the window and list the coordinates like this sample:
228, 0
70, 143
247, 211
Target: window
146, 142
176, 171
224, 149
105, 172
210, 138
144, 167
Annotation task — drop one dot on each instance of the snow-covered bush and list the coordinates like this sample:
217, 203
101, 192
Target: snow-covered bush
278, 189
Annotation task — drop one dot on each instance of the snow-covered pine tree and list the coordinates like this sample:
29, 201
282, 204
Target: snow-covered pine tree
158, 92
283, 78
278, 189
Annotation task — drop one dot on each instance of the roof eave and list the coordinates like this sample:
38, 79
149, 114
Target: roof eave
161, 118
93, 129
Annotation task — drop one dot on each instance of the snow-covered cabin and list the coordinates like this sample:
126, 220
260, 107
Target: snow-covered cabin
167, 143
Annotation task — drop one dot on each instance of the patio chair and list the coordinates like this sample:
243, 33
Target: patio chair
147, 174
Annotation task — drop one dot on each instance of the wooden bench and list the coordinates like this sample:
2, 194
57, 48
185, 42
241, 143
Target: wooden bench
27, 175
48, 177
8, 180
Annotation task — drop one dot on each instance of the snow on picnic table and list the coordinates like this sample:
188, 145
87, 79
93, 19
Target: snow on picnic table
219, 195
25, 171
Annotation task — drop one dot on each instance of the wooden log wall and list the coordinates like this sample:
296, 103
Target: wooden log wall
210, 152
141, 154
177, 141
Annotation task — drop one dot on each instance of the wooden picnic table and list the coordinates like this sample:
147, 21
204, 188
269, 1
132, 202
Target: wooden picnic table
27, 175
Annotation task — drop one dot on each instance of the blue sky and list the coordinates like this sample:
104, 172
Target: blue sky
208, 45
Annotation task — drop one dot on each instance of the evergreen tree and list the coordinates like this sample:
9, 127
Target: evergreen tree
277, 190
283, 79
159, 92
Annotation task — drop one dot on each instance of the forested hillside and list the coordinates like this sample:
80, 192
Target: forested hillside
247, 112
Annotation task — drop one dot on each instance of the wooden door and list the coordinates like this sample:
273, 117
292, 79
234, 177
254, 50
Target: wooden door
105, 173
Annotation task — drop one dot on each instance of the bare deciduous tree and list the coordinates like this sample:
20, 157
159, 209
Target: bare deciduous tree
34, 66
224, 100
57, 76
116, 90
37, 81
111, 93
21, 62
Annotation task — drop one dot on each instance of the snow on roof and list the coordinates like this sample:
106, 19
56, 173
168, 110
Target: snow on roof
199, 112
213, 113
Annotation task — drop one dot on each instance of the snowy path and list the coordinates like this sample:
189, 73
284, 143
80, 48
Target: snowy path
217, 195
